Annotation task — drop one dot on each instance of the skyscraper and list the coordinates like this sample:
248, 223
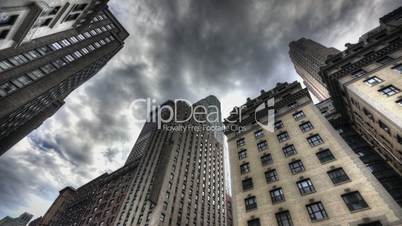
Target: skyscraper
22, 220
307, 57
365, 84
48, 49
174, 175
303, 172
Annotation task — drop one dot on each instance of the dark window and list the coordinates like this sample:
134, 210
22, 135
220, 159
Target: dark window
245, 168
59, 63
298, 115
284, 219
338, 176
385, 60
389, 90
240, 142
292, 105
325, 156
43, 50
254, 222
354, 201
251, 203
266, 159
44, 22
316, 211
375, 223
259, 133
278, 125
373, 80
315, 140
48, 68
307, 126
262, 145
399, 138
305, 186
54, 10
368, 114
289, 150
277, 195
284, 136
384, 127
72, 17
8, 20
4, 33
358, 73
247, 183
271, 176
296, 166
242, 154
79, 7
7, 88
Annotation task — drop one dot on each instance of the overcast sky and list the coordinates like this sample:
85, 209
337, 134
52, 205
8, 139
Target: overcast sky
176, 49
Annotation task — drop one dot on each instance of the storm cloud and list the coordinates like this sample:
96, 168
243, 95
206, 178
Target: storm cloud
176, 49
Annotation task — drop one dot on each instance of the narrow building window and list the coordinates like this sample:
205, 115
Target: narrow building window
384, 127
296, 166
325, 156
298, 115
316, 211
315, 140
277, 195
305, 187
266, 159
305, 127
247, 184
259, 133
284, 219
282, 137
278, 125
240, 142
271, 176
338, 176
242, 154
263, 145
289, 150
354, 201
245, 168
251, 203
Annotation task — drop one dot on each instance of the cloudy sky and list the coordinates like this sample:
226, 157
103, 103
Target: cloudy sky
177, 49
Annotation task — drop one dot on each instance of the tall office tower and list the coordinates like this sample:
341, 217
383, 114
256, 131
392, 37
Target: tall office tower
307, 57
365, 82
180, 178
22, 220
48, 49
302, 173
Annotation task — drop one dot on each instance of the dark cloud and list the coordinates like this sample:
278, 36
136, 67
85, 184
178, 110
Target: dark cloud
177, 49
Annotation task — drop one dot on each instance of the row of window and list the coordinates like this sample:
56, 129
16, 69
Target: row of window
24, 58
388, 91
316, 211
26, 79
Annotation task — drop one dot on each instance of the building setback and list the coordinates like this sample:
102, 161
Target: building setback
365, 83
303, 172
48, 49
307, 57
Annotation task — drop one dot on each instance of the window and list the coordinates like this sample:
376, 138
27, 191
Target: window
278, 125
55, 46
315, 140
305, 186
245, 168
277, 195
338, 176
247, 183
271, 176
162, 218
375, 223
32, 55
296, 166
358, 73
7, 20
4, 33
292, 104
325, 156
48, 68
298, 115
307, 126
389, 90
399, 102
354, 201
368, 114
36, 74
289, 150
25, 80
242, 154
316, 211
398, 68
284, 219
254, 222
71, 17
385, 60
282, 137
266, 159
262, 145
399, 138
384, 127
59, 63
374, 80
251, 203
43, 50
7, 88
240, 142
259, 133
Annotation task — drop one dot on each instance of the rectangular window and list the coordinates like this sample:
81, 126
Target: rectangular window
358, 73
5, 65
277, 195
242, 154
245, 168
399, 138
59, 63
278, 125
389, 90
374, 80
32, 55
263, 145
73, 39
266, 159
35, 74
7, 20
254, 222
251, 203
298, 115
69, 58
316, 211
240, 142
259, 133
282, 137
7, 88
305, 186
338, 176
43, 50
284, 219
296, 166
247, 184
25, 80
48, 68
4, 33
55, 46
385, 60
384, 127
354, 201
325, 156
315, 140
305, 127
368, 114
271, 176
289, 150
